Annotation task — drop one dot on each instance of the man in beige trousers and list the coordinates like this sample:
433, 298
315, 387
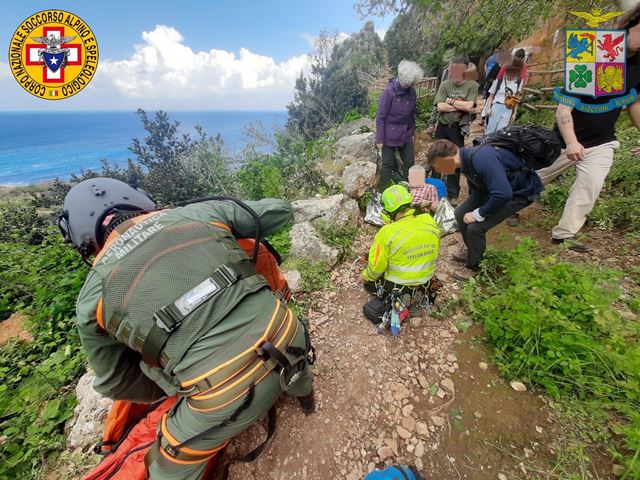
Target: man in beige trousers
590, 143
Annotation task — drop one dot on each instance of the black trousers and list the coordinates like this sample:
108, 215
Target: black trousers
453, 134
475, 234
390, 165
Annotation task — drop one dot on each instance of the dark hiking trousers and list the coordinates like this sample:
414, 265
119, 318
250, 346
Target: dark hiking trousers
475, 234
390, 166
453, 134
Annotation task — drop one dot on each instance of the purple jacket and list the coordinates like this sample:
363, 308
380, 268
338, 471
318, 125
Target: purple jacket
396, 118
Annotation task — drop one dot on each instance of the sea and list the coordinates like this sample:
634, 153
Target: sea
40, 146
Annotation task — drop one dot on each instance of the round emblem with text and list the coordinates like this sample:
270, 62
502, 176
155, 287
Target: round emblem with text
53, 54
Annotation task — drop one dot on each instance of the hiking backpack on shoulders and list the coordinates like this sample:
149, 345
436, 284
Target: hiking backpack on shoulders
538, 147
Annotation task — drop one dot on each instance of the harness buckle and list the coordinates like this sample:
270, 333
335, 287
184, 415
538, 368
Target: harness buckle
165, 321
187, 392
227, 274
171, 451
287, 384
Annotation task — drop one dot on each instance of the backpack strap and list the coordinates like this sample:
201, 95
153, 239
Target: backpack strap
256, 452
170, 317
499, 84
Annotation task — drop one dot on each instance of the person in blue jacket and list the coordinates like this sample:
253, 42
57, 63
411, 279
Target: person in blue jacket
499, 186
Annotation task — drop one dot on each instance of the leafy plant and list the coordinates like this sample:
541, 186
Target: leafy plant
20, 222
373, 100
315, 276
281, 241
35, 377
351, 115
556, 325
339, 237
424, 112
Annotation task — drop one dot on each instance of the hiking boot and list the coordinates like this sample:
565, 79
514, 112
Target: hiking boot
572, 244
460, 258
468, 273
462, 277
513, 220
308, 403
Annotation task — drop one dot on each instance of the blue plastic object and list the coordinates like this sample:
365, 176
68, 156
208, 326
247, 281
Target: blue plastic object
396, 472
439, 184
395, 323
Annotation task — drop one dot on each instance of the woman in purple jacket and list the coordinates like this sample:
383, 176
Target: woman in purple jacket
396, 122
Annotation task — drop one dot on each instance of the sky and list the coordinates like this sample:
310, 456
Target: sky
189, 55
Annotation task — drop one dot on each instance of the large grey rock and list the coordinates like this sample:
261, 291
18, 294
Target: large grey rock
305, 243
361, 147
339, 165
358, 178
334, 210
362, 125
85, 428
294, 279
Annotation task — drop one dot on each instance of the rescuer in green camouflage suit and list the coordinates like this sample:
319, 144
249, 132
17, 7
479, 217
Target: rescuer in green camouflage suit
182, 270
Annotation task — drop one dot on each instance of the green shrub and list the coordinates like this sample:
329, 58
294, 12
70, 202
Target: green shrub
281, 241
545, 118
36, 377
20, 222
338, 237
424, 113
315, 276
290, 172
372, 104
557, 325
351, 115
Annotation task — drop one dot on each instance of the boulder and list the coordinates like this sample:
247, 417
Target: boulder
334, 210
305, 243
361, 146
294, 279
358, 178
340, 164
362, 125
85, 428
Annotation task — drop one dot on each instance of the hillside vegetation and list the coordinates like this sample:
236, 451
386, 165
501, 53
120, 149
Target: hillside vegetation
580, 341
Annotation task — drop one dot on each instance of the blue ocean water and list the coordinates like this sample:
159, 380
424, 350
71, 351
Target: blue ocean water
40, 146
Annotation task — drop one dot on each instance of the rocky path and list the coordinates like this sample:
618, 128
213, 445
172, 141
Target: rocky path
429, 397
381, 399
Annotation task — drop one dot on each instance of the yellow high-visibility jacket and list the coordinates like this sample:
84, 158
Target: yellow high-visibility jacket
405, 251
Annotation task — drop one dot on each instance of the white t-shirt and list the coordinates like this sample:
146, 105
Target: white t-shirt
513, 86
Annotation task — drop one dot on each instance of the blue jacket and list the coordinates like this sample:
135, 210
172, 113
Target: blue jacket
496, 175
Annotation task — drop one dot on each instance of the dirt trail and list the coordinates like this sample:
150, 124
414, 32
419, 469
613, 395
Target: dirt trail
13, 327
429, 397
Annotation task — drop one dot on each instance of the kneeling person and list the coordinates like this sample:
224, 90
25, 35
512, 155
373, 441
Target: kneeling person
499, 186
403, 256
173, 305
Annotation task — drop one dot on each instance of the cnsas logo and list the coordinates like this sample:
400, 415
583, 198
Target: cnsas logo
53, 54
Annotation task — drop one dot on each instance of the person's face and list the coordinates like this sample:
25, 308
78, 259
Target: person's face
633, 38
456, 72
446, 165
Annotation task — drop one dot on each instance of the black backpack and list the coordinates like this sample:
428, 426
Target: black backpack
538, 147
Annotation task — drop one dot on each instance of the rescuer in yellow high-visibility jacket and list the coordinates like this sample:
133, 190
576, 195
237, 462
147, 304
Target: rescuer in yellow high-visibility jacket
404, 252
